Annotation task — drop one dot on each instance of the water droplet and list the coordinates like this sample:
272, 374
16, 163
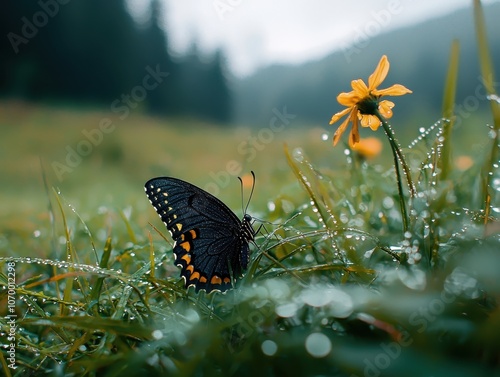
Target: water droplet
287, 310
192, 315
493, 97
271, 206
324, 137
269, 347
459, 282
318, 345
369, 253
495, 184
157, 334
298, 155
388, 202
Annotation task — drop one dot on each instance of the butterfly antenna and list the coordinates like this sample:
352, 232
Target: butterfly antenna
241, 195
244, 208
251, 191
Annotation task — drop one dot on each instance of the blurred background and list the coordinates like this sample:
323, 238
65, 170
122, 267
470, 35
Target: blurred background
101, 96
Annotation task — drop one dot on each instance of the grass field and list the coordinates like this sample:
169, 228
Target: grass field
354, 294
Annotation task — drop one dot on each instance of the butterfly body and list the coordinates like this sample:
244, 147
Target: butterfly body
211, 242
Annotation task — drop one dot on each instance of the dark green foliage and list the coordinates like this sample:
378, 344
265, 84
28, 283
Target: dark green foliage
92, 52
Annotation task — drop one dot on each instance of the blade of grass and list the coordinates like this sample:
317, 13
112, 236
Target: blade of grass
5, 367
485, 64
450, 90
69, 257
96, 291
488, 76
130, 231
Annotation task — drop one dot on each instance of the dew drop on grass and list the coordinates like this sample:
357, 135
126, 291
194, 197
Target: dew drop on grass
269, 348
388, 202
298, 155
369, 253
318, 345
157, 334
413, 279
495, 184
192, 315
271, 206
459, 282
287, 310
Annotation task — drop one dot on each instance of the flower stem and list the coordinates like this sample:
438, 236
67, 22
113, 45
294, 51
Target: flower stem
399, 159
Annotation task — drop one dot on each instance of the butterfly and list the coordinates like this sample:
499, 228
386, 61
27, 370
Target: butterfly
211, 242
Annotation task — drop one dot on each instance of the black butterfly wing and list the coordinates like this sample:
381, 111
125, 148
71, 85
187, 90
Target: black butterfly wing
210, 245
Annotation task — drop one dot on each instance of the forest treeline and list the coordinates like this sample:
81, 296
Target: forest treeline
94, 52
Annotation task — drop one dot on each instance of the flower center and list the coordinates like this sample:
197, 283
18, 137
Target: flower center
368, 105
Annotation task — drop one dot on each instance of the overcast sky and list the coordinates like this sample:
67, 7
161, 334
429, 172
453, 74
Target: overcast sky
255, 33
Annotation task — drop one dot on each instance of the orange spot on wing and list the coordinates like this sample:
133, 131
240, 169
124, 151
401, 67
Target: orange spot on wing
190, 268
186, 258
186, 246
203, 279
227, 280
215, 280
195, 275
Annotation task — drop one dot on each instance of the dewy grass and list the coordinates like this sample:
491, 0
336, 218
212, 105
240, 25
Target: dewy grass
332, 288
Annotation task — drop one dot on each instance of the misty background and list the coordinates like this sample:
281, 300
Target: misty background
91, 53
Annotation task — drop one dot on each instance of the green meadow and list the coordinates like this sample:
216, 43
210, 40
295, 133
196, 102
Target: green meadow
366, 263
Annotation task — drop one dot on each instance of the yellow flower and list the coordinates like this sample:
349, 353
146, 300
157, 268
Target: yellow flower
463, 162
363, 103
368, 147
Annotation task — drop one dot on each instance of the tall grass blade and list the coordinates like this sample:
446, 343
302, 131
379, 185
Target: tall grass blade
488, 76
450, 90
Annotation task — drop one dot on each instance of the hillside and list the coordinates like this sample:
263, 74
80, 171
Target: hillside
418, 55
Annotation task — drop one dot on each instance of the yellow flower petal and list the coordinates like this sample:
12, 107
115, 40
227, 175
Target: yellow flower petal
370, 121
385, 108
343, 127
359, 87
354, 135
368, 147
339, 115
348, 99
395, 90
379, 74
